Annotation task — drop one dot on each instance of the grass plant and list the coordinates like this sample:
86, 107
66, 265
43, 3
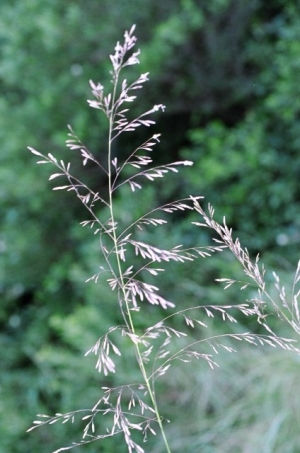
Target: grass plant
132, 410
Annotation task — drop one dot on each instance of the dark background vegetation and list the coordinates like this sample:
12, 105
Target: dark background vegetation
228, 72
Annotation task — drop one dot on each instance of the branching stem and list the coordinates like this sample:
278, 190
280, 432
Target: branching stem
128, 315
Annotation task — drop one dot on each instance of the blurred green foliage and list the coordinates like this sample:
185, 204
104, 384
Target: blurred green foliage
228, 71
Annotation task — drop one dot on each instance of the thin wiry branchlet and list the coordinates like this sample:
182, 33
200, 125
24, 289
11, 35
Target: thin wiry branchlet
264, 303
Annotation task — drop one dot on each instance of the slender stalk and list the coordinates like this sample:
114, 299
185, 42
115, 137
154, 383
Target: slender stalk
129, 320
